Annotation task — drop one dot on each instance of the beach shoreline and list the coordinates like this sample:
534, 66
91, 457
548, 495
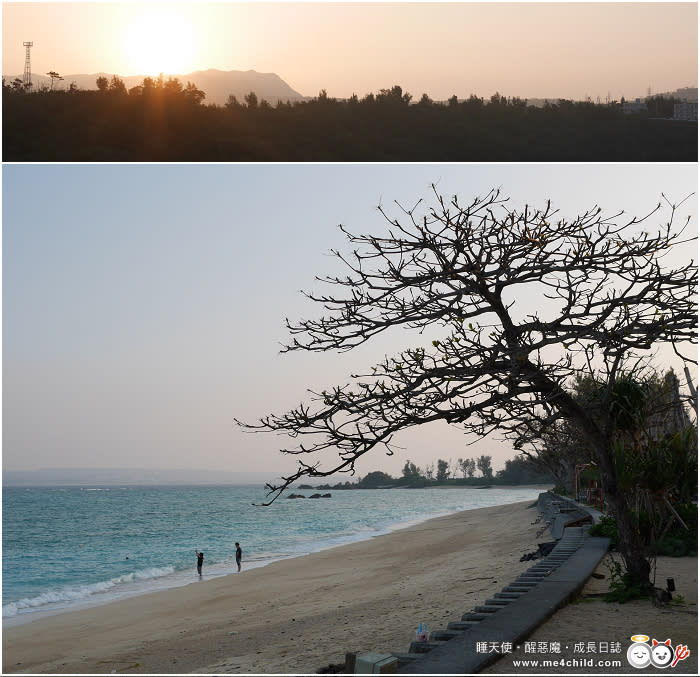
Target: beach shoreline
294, 615
33, 609
299, 615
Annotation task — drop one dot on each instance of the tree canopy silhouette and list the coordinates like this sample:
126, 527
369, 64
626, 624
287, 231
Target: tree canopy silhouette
466, 271
89, 126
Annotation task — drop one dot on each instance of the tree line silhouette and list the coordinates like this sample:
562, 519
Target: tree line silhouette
462, 472
166, 120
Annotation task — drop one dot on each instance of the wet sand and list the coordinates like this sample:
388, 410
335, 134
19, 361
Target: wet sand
299, 615
296, 615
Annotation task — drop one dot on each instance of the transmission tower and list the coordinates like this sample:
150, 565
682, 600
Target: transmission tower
27, 80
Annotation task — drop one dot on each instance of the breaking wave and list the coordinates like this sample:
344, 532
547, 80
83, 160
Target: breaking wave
63, 596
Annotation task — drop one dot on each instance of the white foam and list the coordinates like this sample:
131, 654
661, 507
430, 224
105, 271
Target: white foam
64, 596
152, 579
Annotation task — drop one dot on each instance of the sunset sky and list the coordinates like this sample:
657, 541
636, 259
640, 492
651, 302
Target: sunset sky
144, 305
536, 50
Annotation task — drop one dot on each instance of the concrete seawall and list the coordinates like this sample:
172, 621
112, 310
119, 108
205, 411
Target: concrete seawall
512, 614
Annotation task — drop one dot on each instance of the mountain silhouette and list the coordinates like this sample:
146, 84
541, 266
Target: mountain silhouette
216, 84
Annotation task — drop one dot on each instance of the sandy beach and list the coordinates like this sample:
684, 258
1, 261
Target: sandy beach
299, 615
296, 615
590, 619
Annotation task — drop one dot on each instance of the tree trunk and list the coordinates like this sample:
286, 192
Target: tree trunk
570, 477
629, 545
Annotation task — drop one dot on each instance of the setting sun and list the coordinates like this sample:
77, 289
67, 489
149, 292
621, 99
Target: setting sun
159, 41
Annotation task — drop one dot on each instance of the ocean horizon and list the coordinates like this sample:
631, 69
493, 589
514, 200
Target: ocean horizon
66, 548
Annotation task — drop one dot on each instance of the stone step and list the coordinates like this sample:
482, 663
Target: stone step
462, 626
405, 658
424, 647
487, 609
444, 635
471, 616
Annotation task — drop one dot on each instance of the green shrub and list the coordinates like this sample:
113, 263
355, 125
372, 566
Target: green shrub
679, 541
607, 528
671, 547
623, 587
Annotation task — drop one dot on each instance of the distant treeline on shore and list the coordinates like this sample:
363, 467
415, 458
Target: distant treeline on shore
519, 470
164, 120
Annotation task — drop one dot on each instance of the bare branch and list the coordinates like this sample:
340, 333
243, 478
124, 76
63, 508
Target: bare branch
467, 271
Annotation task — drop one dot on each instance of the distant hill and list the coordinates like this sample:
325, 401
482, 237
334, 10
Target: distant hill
129, 476
217, 85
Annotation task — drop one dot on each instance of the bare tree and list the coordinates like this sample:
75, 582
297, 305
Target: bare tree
54, 76
484, 465
693, 390
410, 471
606, 296
117, 85
470, 465
462, 467
555, 448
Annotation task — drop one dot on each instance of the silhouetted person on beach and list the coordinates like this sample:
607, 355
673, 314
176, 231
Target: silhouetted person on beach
239, 555
200, 561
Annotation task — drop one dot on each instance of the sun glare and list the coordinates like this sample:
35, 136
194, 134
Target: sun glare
159, 42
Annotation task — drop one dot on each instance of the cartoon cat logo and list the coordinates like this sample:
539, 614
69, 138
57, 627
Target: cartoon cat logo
661, 654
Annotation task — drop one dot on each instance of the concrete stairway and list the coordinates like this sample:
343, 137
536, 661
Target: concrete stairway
512, 613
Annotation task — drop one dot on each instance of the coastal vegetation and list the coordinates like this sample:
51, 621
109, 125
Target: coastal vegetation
606, 296
518, 470
165, 120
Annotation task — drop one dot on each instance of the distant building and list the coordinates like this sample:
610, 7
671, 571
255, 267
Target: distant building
669, 414
687, 94
685, 111
636, 106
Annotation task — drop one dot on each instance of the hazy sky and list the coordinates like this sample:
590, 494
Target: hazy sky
144, 306
555, 49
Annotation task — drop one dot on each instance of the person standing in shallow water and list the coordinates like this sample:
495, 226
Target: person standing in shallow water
239, 555
200, 561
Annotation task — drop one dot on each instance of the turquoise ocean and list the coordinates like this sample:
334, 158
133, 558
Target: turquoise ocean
68, 547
